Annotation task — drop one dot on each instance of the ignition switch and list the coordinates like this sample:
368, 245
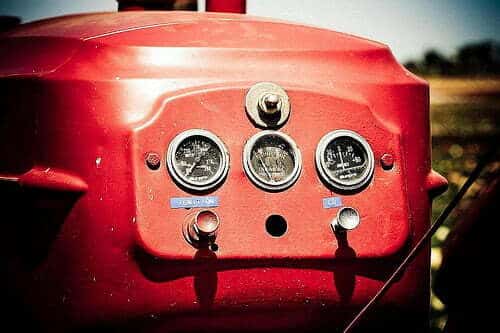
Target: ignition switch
200, 229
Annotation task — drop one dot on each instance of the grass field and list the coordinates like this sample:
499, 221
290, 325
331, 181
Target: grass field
465, 123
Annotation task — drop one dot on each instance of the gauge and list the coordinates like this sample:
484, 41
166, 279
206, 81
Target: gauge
344, 160
272, 160
197, 160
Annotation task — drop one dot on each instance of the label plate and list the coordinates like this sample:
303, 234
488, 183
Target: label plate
194, 202
333, 202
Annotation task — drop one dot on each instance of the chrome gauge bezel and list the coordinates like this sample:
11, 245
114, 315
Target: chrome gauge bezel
344, 185
181, 179
258, 180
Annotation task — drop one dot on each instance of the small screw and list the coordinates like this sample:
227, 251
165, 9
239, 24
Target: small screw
387, 161
270, 104
153, 161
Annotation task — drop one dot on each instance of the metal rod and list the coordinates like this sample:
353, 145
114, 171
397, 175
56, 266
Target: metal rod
425, 238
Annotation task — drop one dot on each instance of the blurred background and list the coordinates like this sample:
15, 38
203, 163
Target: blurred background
452, 44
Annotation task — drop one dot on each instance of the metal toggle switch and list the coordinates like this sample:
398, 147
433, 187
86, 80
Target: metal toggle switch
347, 219
267, 105
270, 104
201, 228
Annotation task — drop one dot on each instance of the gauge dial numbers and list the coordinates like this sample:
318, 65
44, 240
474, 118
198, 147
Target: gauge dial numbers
344, 160
197, 160
272, 160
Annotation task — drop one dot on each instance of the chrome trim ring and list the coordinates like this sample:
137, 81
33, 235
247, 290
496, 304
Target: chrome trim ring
258, 180
345, 185
181, 179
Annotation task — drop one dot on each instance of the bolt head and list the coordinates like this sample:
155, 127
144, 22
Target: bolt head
153, 160
387, 161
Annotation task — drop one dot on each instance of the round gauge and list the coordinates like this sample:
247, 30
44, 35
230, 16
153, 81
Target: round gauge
344, 160
197, 160
272, 160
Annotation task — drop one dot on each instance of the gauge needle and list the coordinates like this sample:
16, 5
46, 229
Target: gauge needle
264, 166
341, 159
191, 168
196, 161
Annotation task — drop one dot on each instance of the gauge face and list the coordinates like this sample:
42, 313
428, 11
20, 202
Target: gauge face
272, 160
197, 160
344, 160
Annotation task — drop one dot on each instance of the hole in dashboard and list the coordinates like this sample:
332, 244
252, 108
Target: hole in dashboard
276, 225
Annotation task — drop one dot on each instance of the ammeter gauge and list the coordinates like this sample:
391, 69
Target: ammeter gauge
272, 160
344, 160
197, 160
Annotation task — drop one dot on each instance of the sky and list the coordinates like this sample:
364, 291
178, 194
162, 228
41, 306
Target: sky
408, 27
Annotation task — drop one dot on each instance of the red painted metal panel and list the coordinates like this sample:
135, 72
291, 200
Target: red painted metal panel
384, 227
109, 88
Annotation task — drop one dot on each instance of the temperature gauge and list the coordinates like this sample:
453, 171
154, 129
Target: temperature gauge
197, 160
272, 160
344, 160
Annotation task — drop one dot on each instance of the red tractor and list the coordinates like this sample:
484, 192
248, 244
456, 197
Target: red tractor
180, 171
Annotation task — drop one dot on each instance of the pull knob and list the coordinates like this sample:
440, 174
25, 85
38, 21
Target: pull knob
347, 219
201, 229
